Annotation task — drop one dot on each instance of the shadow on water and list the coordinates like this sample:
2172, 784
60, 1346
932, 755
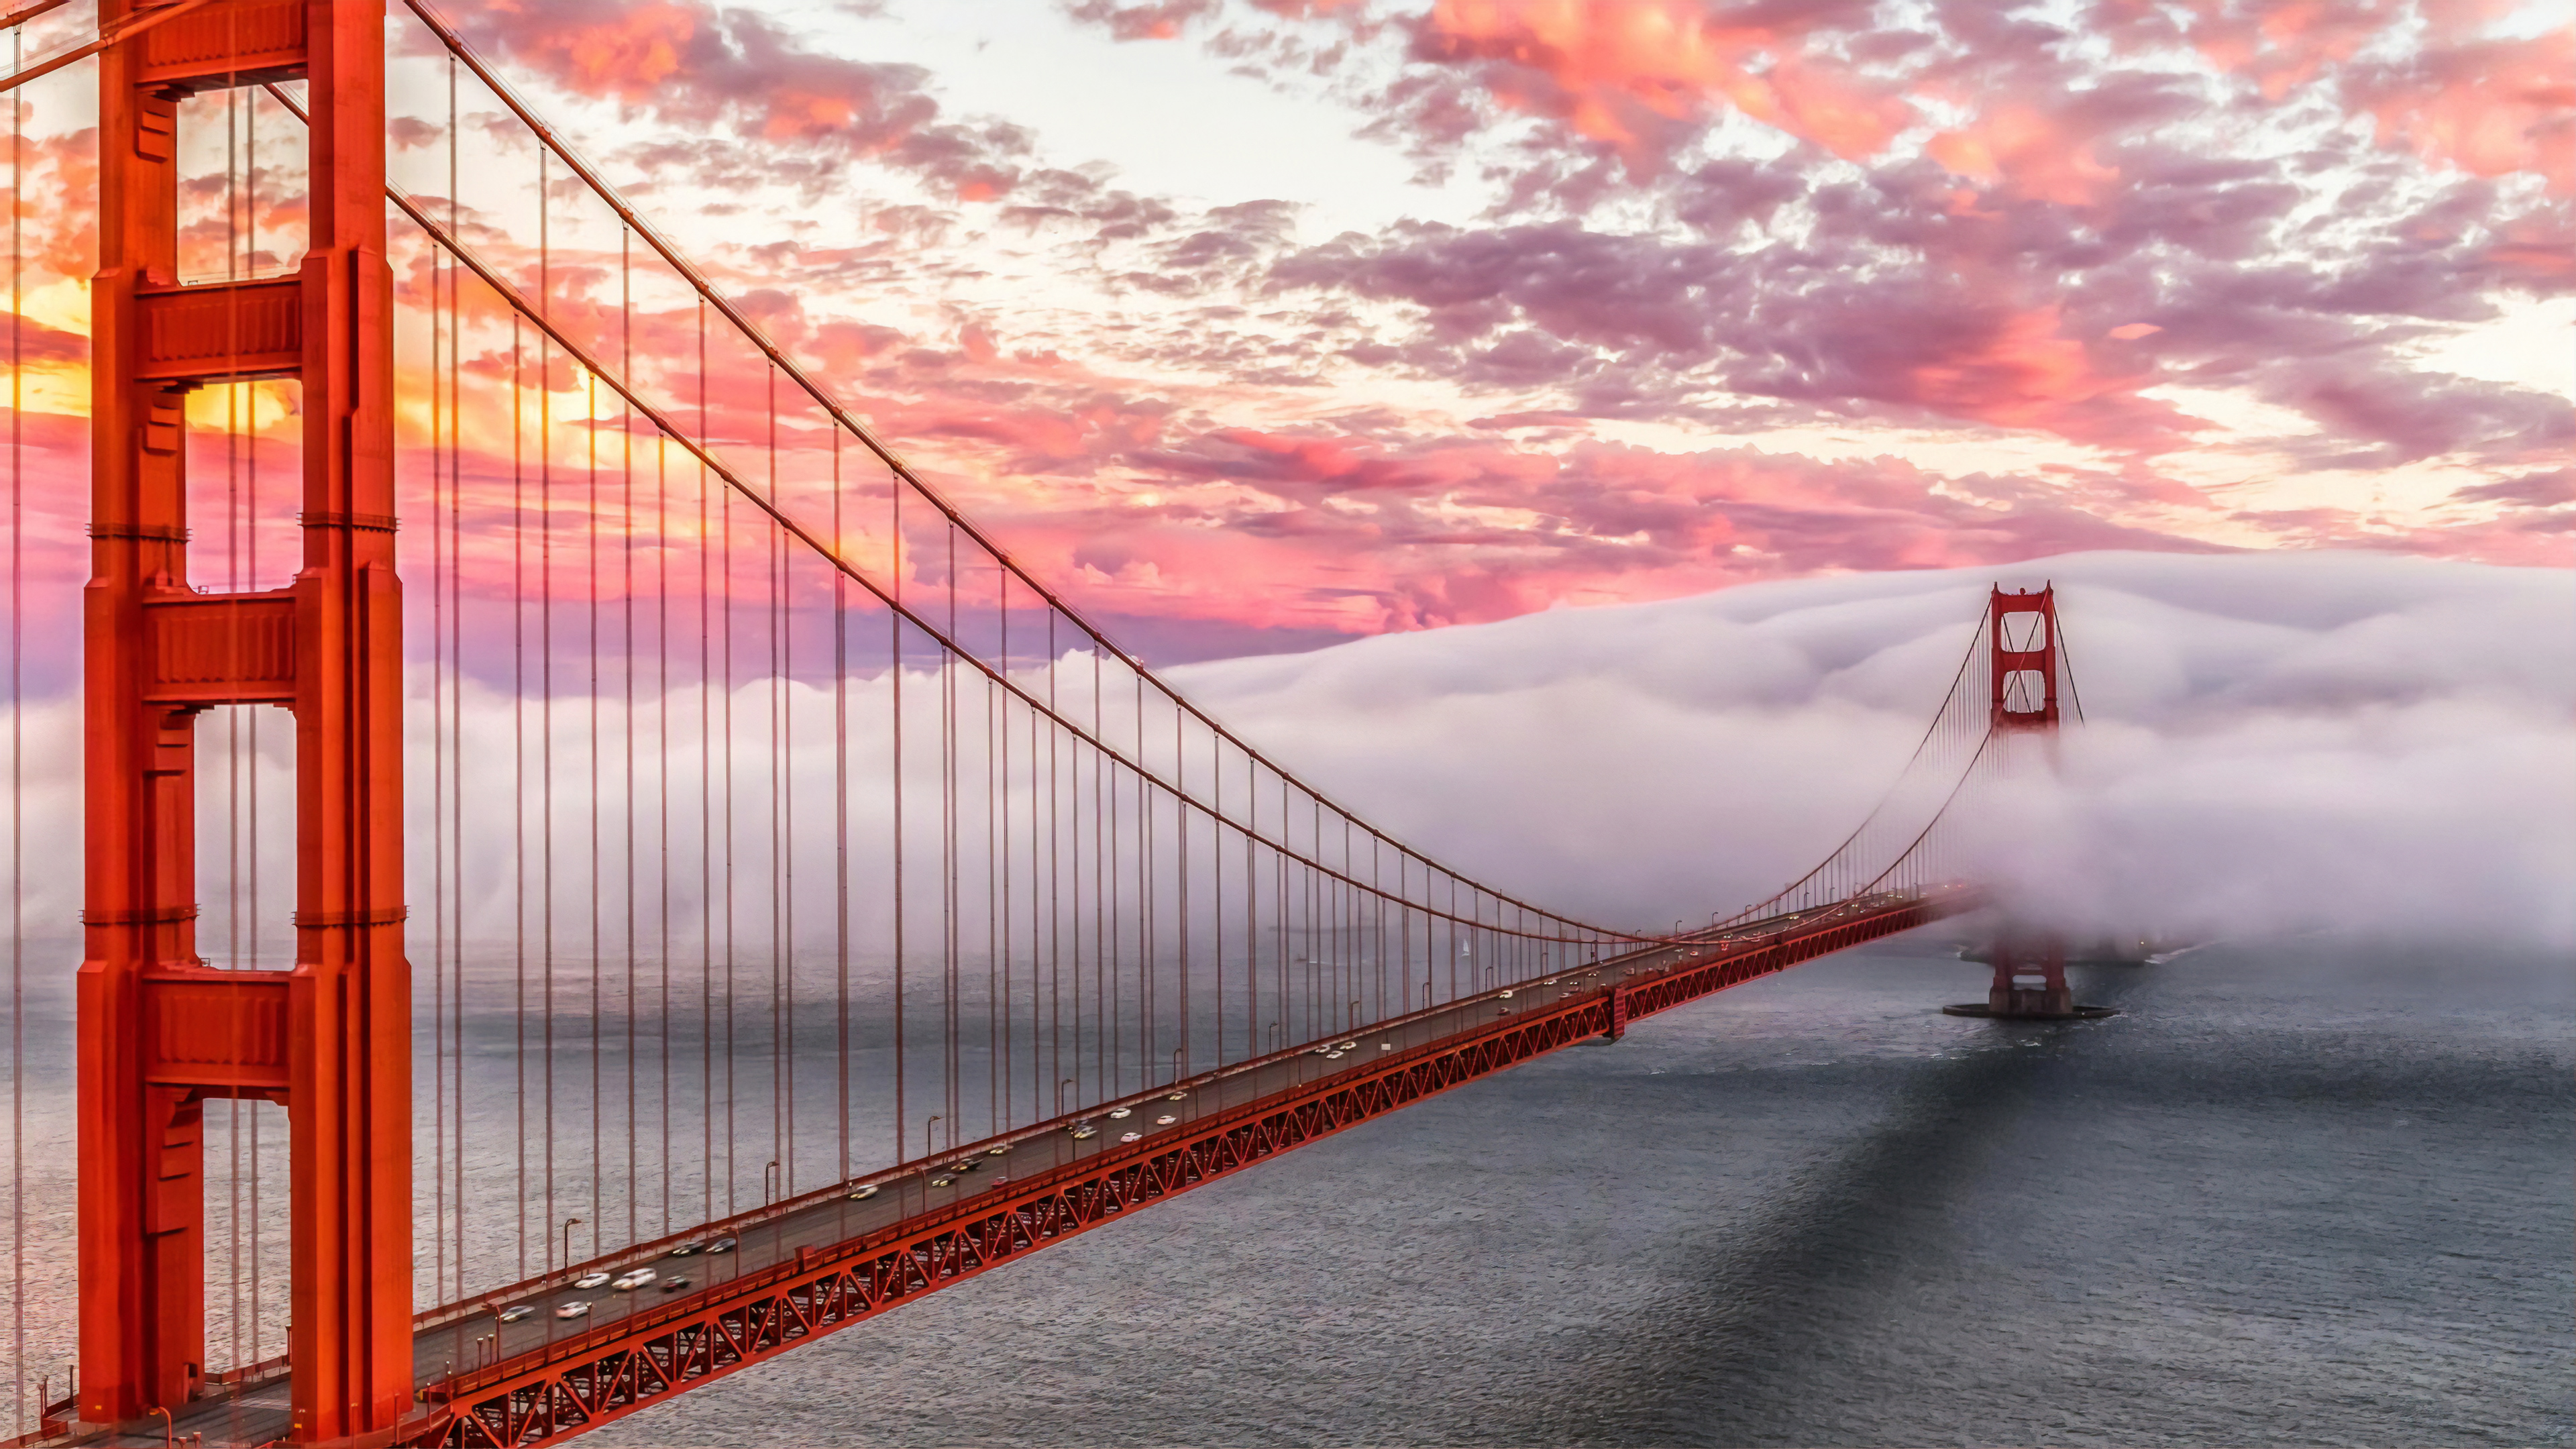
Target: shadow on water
1735, 1356
2108, 1231
1732, 1356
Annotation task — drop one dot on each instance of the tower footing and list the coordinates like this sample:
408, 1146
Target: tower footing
2072, 1013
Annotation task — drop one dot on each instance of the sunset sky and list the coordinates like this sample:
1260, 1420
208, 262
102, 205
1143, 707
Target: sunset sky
1257, 325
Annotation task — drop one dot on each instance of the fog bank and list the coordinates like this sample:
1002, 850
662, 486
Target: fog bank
2270, 741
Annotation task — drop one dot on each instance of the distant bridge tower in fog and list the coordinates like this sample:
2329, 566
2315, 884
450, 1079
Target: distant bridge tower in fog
2025, 663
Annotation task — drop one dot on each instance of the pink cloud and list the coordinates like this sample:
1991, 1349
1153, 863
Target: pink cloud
2029, 151
1634, 73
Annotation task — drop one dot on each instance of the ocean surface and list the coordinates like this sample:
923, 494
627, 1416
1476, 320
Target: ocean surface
2297, 1193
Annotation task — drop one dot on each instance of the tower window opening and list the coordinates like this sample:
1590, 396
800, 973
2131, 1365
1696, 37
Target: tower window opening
2025, 692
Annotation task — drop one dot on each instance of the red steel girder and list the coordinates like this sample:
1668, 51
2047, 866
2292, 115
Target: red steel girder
581, 1382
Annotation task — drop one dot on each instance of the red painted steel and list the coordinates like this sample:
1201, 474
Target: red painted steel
159, 1032
583, 1382
2021, 635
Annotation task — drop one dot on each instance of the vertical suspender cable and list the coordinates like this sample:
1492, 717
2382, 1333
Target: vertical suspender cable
997, 827
455, 653
626, 721
894, 695
519, 770
17, 756
706, 816
840, 825
782, 1090
662, 795
546, 689
440, 887
725, 866
590, 879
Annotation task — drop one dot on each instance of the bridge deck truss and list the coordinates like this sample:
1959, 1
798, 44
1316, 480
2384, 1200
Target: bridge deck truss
580, 1383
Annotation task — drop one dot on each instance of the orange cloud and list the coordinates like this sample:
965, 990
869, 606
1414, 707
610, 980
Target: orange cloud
2490, 109
1619, 70
2026, 374
2032, 154
626, 53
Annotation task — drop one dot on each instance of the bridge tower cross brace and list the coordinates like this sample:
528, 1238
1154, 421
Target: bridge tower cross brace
2022, 660
160, 1032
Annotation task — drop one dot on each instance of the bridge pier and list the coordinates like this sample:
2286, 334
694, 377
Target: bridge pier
2030, 983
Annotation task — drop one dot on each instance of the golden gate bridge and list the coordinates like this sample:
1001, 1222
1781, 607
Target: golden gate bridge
702, 892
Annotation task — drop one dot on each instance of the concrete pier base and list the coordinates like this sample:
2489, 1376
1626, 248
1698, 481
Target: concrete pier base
2071, 1012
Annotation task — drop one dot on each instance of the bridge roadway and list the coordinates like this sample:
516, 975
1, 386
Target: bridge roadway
463, 1352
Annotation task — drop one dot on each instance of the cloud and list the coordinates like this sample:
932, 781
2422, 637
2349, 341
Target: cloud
2029, 194
696, 66
1655, 321
1639, 77
2278, 743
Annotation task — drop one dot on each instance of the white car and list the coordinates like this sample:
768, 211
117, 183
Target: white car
574, 1309
1166, 1120
1083, 1131
629, 1282
1129, 1136
1121, 1111
863, 1192
590, 1280
517, 1311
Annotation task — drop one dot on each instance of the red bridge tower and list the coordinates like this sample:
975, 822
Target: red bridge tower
160, 1032
2022, 669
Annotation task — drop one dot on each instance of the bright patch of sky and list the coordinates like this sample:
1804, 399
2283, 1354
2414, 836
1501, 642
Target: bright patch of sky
1174, 121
